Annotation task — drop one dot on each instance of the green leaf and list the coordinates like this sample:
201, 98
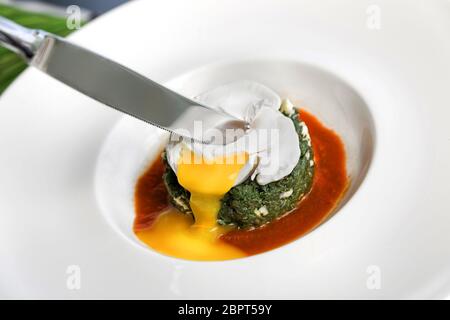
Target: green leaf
10, 64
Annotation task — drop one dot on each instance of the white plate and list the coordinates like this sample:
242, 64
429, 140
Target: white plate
396, 226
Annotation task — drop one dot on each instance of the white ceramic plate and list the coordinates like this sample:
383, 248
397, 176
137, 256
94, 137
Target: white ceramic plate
385, 90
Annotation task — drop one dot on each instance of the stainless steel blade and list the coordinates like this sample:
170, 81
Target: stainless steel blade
125, 90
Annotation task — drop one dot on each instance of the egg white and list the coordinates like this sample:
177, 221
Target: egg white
271, 142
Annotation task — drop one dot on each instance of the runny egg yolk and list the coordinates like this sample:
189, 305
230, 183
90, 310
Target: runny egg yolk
208, 180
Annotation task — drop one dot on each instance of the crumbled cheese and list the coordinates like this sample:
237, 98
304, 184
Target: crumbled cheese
181, 203
311, 163
305, 131
307, 155
261, 211
286, 194
287, 107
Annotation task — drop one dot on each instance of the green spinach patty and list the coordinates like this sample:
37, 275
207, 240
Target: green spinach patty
249, 204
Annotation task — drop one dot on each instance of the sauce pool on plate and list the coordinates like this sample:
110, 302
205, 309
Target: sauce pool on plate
170, 232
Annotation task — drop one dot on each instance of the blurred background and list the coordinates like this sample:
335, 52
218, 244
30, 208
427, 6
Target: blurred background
96, 7
49, 15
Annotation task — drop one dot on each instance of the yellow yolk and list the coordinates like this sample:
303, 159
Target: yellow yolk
172, 234
176, 234
208, 181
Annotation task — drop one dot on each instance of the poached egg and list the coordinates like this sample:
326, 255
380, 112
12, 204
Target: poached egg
267, 152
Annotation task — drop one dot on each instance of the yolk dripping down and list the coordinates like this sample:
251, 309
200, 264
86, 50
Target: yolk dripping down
208, 180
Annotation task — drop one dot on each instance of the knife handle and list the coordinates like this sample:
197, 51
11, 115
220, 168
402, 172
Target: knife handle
19, 39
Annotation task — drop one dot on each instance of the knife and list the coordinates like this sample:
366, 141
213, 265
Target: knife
115, 85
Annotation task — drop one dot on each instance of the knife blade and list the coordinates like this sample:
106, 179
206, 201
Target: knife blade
115, 85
